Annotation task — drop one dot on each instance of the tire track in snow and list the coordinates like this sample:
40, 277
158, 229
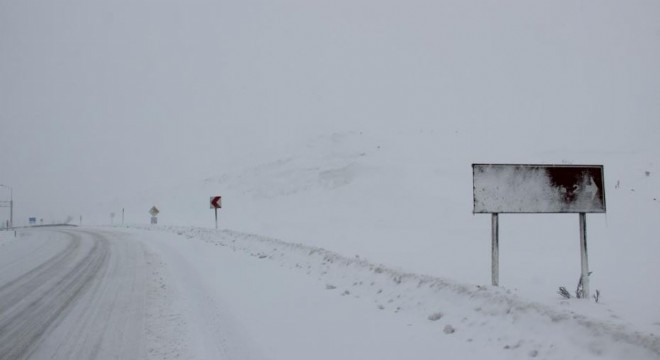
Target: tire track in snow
16, 288
87, 301
33, 303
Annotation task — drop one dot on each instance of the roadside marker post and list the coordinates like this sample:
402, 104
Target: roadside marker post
216, 203
154, 215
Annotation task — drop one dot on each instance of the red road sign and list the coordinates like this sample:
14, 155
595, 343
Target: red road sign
216, 202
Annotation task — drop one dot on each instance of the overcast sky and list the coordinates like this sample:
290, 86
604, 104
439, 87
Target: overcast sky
106, 99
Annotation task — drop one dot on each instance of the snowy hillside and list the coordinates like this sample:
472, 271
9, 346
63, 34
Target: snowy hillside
350, 127
405, 201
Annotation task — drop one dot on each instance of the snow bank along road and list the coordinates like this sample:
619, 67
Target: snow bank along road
189, 293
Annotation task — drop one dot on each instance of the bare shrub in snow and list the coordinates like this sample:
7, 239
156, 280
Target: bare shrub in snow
579, 291
449, 329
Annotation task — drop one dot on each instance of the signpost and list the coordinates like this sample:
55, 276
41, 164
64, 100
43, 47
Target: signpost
520, 188
216, 203
154, 215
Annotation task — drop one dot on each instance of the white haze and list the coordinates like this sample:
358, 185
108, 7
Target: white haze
345, 125
104, 102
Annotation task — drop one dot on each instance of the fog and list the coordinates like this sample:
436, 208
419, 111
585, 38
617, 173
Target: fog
103, 101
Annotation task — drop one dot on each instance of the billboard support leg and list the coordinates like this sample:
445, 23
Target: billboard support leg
495, 265
583, 255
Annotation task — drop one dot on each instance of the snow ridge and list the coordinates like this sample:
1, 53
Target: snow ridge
480, 311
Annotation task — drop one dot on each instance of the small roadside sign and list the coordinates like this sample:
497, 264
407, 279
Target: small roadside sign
154, 211
216, 203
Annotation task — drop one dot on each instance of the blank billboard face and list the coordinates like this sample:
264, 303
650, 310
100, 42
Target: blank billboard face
504, 188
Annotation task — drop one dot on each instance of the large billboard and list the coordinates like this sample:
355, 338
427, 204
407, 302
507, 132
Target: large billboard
519, 188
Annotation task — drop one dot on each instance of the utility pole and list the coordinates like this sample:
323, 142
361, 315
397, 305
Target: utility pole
11, 205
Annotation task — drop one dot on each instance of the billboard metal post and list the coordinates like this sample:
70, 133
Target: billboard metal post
495, 265
584, 261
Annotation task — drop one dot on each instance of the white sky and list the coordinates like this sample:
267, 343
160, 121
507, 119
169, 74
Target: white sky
102, 100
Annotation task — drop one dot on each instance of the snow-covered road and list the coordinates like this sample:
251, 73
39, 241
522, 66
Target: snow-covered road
191, 293
72, 294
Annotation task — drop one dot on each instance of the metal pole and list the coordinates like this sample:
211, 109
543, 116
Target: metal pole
11, 205
495, 266
583, 255
216, 218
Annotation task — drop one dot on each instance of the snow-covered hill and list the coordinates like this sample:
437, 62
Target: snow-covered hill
348, 126
405, 200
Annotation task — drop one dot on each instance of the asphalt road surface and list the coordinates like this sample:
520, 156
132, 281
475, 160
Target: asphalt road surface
72, 294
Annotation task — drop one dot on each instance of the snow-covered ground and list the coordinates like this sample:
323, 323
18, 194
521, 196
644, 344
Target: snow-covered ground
165, 292
250, 297
346, 131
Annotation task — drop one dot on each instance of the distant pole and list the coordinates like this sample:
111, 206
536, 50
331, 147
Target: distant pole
216, 218
122, 216
495, 265
11, 205
583, 254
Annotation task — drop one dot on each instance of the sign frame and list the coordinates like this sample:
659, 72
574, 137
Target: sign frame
566, 188
556, 189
